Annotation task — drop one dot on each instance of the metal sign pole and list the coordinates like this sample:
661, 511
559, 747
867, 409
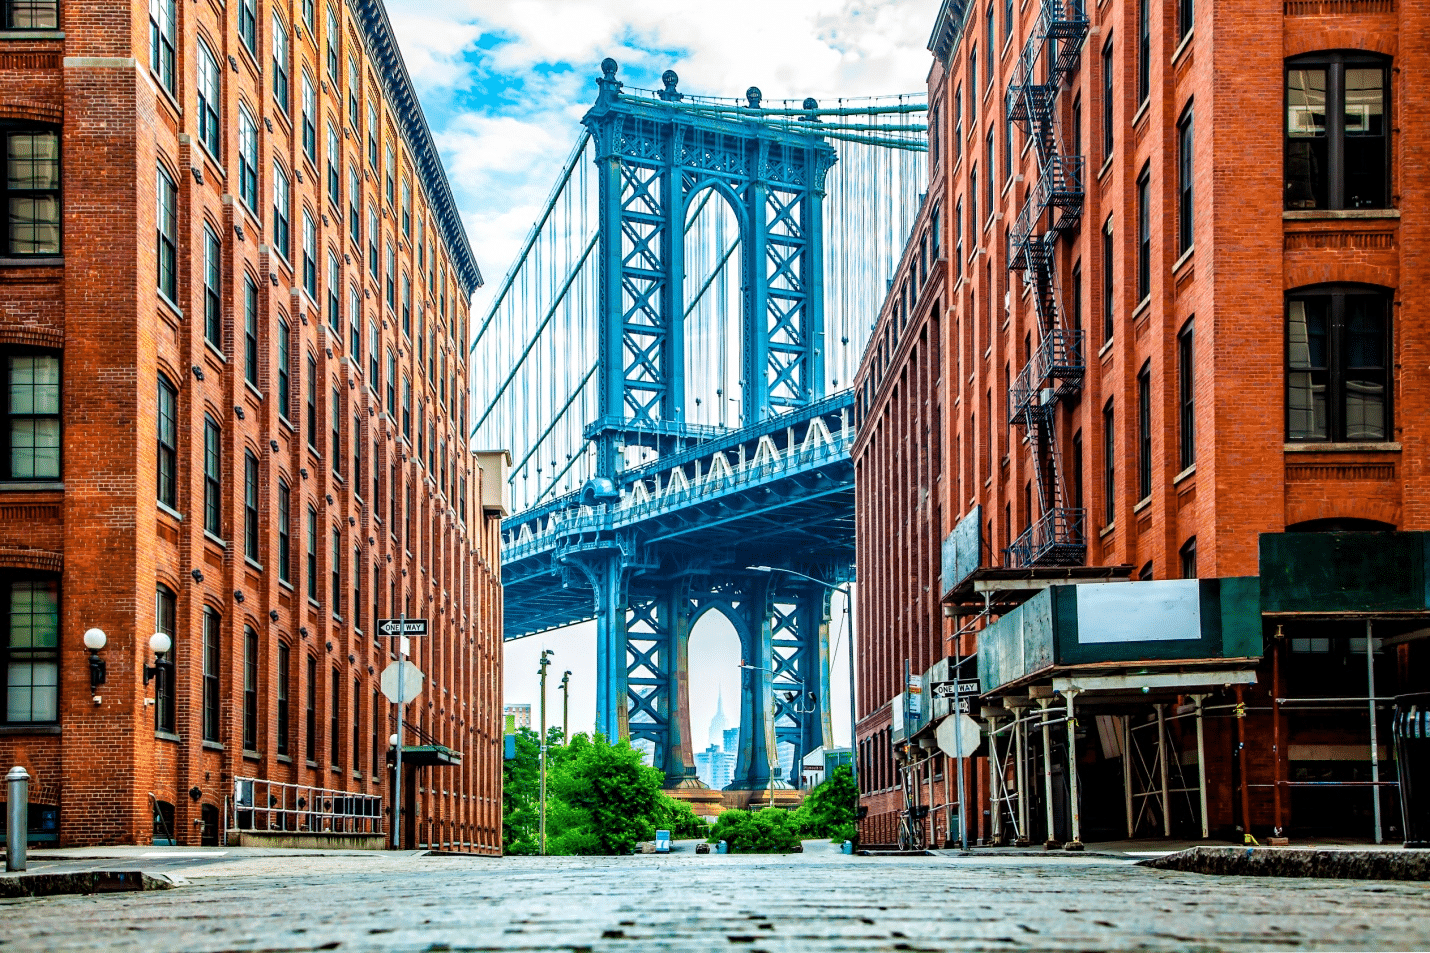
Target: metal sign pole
958, 749
397, 784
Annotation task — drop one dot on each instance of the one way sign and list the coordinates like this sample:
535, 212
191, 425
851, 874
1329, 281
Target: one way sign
400, 627
965, 687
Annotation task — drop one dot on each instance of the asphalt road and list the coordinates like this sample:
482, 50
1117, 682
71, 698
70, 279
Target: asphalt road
820, 900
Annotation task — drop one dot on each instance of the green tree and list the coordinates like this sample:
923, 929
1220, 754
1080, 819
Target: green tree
520, 786
770, 831
679, 818
830, 809
609, 797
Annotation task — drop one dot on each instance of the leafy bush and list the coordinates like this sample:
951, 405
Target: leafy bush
830, 809
772, 830
676, 816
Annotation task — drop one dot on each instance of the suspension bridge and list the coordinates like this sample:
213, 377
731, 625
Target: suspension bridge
670, 359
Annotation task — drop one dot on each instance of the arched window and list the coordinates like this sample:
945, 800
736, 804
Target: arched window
1337, 135
1337, 364
164, 684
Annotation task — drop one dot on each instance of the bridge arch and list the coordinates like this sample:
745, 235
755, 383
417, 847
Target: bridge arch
713, 309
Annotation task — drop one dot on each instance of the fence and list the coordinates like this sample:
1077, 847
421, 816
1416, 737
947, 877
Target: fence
260, 805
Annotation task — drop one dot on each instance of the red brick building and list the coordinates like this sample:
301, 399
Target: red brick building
233, 325
1156, 322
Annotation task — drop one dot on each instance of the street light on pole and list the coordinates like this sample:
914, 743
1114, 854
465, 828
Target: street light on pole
565, 706
848, 608
545, 661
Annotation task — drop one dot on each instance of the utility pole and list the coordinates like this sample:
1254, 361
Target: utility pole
545, 661
565, 706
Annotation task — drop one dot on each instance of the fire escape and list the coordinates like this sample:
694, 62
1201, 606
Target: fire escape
1056, 365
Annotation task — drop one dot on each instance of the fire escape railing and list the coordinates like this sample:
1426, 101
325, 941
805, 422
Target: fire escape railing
1057, 365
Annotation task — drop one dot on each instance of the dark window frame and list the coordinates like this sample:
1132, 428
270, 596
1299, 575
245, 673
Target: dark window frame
167, 442
1186, 179
1144, 432
11, 655
14, 22
1338, 349
250, 506
1186, 395
1109, 464
1337, 142
250, 689
283, 684
212, 638
285, 532
165, 693
213, 477
9, 417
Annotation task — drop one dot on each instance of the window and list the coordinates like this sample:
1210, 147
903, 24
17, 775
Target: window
250, 689
1337, 355
284, 676
1076, 133
391, 382
211, 670
1144, 234
957, 130
31, 649
972, 86
1077, 463
406, 408
1109, 470
357, 590
354, 90
32, 14
1186, 18
310, 15
166, 224
330, 29
355, 208
334, 689
168, 442
973, 207
988, 45
280, 62
1108, 297
210, 93
309, 119
1077, 295
285, 542
377, 710
390, 277
213, 488
356, 765
1336, 132
310, 711
281, 213
373, 355
1188, 552
213, 289
312, 407
310, 255
336, 437
312, 554
372, 135
32, 409
1186, 398
355, 324
164, 683
250, 505
248, 24
406, 208
407, 305
250, 331
1184, 180
958, 239
1007, 20
356, 443
1107, 100
334, 181
337, 573
247, 158
1144, 51
988, 167
1144, 432
334, 289
372, 239
390, 172
161, 40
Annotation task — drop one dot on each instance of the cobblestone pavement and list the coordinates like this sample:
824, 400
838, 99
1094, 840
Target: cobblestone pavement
820, 900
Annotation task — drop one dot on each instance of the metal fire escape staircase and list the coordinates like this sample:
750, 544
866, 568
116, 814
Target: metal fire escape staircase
1053, 206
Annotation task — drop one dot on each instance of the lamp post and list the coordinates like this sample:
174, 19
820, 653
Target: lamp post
94, 640
545, 661
565, 706
848, 607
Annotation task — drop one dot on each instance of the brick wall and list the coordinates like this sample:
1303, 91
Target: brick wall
116, 543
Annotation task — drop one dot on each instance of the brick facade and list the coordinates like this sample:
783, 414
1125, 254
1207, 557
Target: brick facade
398, 488
951, 334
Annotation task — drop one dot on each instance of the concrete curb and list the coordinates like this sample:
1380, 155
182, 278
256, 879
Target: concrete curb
1384, 864
106, 881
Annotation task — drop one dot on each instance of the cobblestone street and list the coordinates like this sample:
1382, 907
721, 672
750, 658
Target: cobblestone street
820, 900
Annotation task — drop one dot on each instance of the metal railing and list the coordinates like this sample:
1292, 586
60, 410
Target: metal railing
261, 806
1056, 539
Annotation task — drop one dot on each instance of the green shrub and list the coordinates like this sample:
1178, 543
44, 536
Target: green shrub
769, 831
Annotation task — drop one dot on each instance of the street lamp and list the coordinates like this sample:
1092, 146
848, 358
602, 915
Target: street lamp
848, 603
545, 661
159, 644
565, 706
94, 640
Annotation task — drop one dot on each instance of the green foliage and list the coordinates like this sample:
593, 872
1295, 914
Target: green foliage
830, 809
601, 798
677, 817
769, 831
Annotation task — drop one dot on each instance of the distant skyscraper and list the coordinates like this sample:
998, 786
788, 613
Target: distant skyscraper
732, 740
719, 723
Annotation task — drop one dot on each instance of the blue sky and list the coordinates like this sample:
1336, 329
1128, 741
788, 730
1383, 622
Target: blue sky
504, 83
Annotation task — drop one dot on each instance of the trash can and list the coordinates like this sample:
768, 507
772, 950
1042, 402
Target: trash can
1412, 754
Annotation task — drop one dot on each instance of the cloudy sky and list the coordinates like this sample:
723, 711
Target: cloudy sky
504, 83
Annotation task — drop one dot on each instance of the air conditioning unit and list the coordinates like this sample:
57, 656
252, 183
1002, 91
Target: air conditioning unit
496, 491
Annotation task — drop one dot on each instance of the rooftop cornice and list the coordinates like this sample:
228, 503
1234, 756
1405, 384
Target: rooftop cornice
947, 29
383, 48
